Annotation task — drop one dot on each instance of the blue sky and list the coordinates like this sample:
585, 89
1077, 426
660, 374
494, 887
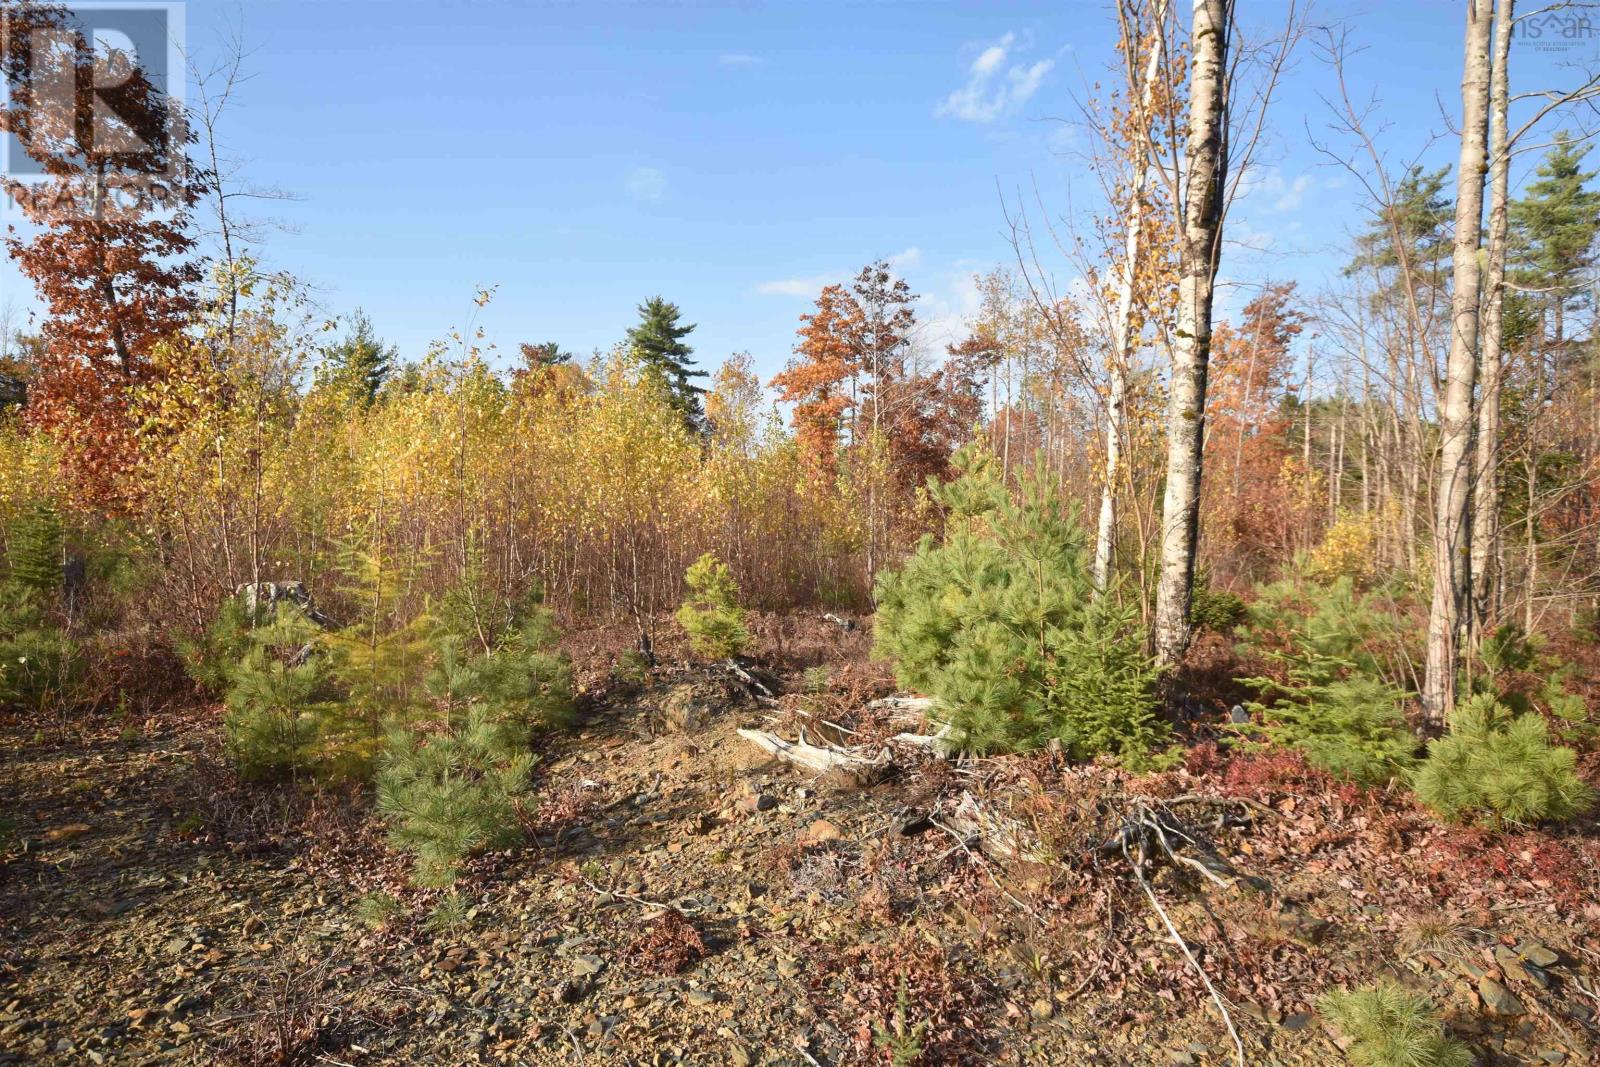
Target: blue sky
733, 157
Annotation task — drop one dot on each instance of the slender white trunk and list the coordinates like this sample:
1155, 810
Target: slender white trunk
1486, 480
1123, 339
1206, 163
1451, 559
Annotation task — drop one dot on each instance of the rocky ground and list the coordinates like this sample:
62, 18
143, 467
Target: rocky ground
684, 899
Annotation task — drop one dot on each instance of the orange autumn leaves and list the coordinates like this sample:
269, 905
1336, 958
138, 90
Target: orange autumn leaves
855, 383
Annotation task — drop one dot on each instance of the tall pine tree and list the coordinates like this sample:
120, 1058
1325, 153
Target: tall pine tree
1554, 227
657, 342
1410, 236
360, 362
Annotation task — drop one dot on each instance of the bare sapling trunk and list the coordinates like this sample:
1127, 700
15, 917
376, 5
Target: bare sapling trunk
1486, 477
1451, 550
1122, 326
1206, 162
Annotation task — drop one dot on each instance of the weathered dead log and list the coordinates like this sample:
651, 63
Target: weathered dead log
761, 684
822, 759
261, 598
904, 705
994, 835
940, 742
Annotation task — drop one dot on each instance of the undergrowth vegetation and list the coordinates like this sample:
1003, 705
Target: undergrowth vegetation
1390, 1026
1331, 698
1500, 768
998, 620
710, 615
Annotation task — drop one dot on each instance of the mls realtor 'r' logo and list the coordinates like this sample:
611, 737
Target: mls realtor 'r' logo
1558, 30
92, 89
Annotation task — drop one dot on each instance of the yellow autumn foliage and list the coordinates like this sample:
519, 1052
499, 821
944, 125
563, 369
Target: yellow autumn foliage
1348, 550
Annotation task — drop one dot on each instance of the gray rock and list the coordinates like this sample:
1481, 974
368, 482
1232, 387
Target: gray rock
1510, 964
1538, 954
1498, 999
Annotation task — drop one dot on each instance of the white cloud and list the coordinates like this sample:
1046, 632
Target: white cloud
739, 60
946, 310
1293, 196
647, 185
993, 88
905, 260
1279, 194
796, 286
812, 284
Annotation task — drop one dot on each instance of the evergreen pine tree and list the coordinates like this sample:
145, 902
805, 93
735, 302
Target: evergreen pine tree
278, 723
1413, 231
34, 551
500, 651
454, 793
381, 657
1388, 1025
1501, 769
1554, 227
1333, 704
710, 614
657, 342
212, 657
360, 362
453, 790
41, 665
998, 622
548, 354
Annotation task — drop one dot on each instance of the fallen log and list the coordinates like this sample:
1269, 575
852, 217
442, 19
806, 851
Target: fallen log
919, 706
995, 835
822, 759
940, 742
762, 686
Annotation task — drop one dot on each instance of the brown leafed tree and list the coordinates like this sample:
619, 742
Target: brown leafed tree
111, 250
820, 378
1248, 510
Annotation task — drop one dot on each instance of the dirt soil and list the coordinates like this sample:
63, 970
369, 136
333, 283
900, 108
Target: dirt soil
683, 899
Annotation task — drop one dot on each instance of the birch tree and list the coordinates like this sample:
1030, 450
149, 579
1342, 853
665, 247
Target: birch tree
1486, 476
1206, 162
1124, 335
1451, 560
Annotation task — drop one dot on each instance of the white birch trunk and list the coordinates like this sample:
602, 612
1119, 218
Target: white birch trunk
1486, 478
1451, 559
1206, 162
1122, 339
